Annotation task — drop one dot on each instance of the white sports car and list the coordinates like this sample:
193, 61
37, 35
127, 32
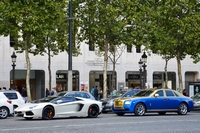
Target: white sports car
61, 107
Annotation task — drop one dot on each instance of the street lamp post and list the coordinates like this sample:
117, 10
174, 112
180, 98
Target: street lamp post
140, 66
143, 73
70, 49
13, 57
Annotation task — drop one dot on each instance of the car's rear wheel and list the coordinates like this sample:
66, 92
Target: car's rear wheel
3, 112
120, 114
182, 109
139, 109
161, 113
48, 113
93, 111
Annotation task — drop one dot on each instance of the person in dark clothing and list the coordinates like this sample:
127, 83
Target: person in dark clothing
24, 94
47, 92
96, 93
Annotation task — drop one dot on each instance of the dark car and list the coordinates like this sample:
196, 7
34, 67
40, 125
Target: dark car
107, 103
82, 94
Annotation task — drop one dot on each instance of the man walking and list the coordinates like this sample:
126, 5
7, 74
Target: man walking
24, 94
96, 93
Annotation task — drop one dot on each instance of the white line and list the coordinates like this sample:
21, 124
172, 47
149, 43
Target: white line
96, 124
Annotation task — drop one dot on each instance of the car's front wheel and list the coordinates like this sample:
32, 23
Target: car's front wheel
48, 113
3, 112
93, 111
139, 109
182, 109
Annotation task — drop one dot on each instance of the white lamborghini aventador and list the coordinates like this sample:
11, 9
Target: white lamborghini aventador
61, 107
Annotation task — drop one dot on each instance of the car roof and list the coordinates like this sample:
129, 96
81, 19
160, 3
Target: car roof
8, 91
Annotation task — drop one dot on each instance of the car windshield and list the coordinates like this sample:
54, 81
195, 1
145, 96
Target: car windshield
144, 93
47, 99
60, 94
197, 96
118, 94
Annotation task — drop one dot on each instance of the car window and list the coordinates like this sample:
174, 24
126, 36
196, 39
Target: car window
176, 94
144, 93
169, 93
160, 92
64, 100
87, 95
11, 96
130, 93
70, 94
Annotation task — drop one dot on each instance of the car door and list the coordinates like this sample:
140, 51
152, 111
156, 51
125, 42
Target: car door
172, 101
66, 105
156, 103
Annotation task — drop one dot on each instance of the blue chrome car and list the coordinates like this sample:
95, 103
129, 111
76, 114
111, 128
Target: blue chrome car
153, 100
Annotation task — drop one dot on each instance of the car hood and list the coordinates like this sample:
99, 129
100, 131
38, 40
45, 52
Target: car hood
29, 106
128, 98
110, 98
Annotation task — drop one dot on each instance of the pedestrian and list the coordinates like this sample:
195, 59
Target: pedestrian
101, 94
107, 91
47, 92
114, 93
92, 91
96, 93
24, 94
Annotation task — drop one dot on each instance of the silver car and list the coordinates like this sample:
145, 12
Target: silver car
196, 100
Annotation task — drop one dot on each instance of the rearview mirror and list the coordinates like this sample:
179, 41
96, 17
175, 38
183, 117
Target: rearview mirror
59, 101
156, 95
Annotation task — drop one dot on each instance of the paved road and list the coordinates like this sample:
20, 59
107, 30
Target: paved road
107, 123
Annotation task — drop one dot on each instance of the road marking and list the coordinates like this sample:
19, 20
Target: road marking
95, 124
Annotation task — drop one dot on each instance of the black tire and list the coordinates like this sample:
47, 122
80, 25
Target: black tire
4, 112
48, 113
28, 118
182, 109
120, 114
140, 109
93, 111
161, 113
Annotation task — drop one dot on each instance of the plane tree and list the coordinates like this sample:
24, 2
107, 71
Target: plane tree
32, 24
103, 23
174, 30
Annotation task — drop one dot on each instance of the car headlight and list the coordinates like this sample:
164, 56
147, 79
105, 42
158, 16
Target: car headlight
32, 107
127, 102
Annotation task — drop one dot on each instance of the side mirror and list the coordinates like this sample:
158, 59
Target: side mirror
156, 95
59, 101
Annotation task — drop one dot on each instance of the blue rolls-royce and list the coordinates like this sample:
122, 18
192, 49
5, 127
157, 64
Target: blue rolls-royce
153, 100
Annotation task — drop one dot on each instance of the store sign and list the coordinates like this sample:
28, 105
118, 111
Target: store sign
134, 76
60, 76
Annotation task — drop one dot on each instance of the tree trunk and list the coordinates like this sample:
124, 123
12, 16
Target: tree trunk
166, 75
49, 67
179, 72
105, 68
28, 67
113, 73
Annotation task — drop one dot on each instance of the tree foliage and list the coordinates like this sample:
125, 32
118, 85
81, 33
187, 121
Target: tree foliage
174, 29
35, 25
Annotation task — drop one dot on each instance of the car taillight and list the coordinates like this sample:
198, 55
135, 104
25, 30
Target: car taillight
9, 101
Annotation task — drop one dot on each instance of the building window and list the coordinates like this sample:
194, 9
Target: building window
129, 49
91, 46
138, 49
12, 41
